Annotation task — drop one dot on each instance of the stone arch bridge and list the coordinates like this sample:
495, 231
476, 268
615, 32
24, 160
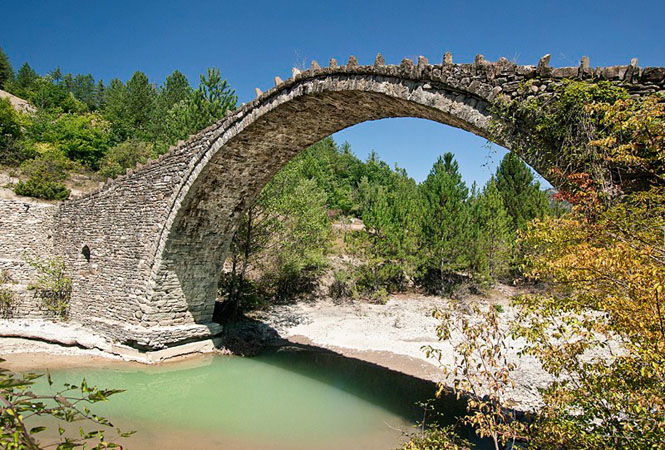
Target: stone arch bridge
155, 238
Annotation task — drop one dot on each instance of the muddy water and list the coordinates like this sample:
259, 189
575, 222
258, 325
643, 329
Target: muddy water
286, 399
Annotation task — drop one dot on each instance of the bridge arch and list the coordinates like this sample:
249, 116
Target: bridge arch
160, 233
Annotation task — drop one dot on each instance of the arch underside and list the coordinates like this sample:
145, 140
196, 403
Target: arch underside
235, 169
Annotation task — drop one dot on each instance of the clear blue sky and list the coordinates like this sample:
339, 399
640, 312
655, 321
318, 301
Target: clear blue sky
253, 41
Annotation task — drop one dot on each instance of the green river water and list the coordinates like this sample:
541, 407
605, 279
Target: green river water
276, 401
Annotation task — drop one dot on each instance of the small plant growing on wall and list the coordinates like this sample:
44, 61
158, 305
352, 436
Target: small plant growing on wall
6, 297
53, 285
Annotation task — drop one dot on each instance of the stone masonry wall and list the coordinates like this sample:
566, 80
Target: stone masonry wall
26, 230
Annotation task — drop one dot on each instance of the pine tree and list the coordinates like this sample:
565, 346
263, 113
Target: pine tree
175, 89
495, 237
445, 232
6, 70
25, 77
100, 95
115, 99
522, 197
139, 101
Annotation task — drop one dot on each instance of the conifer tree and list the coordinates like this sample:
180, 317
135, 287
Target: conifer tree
495, 237
522, 197
445, 230
176, 88
6, 70
25, 77
100, 93
140, 100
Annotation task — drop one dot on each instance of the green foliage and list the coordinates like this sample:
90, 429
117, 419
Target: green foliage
200, 108
391, 206
562, 129
445, 228
282, 239
140, 99
53, 285
45, 175
6, 70
42, 188
521, 195
494, 240
82, 88
7, 297
438, 438
13, 149
123, 156
22, 409
83, 138
25, 77
86, 120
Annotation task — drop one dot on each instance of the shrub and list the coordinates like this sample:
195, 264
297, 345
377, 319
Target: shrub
124, 156
6, 302
12, 150
83, 138
41, 188
45, 175
438, 438
342, 285
53, 285
69, 404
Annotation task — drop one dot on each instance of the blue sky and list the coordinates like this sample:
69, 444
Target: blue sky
254, 41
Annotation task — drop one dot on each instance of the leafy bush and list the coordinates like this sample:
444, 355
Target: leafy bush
438, 438
41, 188
21, 404
7, 301
12, 149
124, 156
53, 285
45, 173
342, 285
84, 138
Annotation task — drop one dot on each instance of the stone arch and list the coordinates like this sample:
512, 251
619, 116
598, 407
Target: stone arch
233, 172
161, 232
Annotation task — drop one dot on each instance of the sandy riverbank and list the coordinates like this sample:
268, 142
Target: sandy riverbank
391, 335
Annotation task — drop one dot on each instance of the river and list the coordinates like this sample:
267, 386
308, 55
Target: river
284, 399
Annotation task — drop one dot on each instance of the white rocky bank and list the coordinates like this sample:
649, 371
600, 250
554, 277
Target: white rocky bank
393, 334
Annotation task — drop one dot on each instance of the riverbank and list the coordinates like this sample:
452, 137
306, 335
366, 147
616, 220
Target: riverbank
390, 335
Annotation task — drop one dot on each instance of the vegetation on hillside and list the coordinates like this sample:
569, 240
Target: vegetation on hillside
428, 236
99, 129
